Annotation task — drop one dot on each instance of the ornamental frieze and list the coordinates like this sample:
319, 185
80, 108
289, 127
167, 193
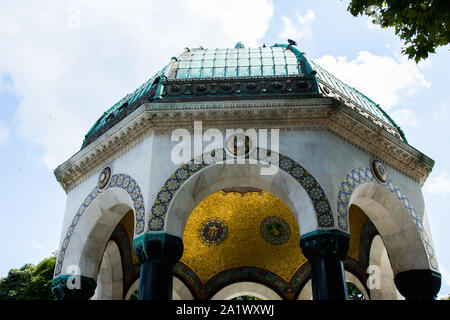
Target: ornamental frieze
289, 114
241, 86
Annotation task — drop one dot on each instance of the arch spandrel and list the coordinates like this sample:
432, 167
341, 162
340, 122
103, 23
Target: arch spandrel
180, 187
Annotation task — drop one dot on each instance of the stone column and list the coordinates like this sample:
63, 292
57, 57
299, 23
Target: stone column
157, 254
73, 287
418, 284
326, 250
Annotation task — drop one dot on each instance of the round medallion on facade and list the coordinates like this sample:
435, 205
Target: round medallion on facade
379, 171
275, 230
239, 145
104, 177
213, 231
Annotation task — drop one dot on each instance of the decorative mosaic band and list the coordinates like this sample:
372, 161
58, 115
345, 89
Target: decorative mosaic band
359, 176
289, 291
204, 291
123, 181
182, 174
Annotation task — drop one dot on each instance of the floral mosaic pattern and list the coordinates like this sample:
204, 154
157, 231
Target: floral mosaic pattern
204, 291
123, 181
175, 181
359, 176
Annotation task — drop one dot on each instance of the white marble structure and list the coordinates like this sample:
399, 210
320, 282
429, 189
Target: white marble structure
324, 128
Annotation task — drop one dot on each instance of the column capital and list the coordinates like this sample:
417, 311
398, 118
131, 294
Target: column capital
322, 244
158, 247
418, 284
82, 290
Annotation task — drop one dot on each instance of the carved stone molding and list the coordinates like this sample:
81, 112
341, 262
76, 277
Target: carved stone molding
284, 114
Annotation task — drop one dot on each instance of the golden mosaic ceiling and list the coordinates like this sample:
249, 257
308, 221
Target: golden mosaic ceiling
243, 244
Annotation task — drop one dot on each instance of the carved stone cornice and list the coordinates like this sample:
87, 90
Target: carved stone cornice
285, 114
360, 131
329, 91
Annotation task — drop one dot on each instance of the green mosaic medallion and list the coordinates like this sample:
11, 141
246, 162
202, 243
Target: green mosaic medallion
275, 230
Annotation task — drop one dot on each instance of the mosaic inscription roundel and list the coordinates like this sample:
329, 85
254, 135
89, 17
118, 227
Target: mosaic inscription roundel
104, 177
275, 230
379, 170
213, 231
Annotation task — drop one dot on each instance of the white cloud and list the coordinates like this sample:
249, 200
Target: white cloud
384, 79
439, 185
405, 118
4, 133
37, 245
298, 29
69, 68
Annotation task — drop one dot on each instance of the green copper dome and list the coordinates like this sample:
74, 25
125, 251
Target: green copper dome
280, 71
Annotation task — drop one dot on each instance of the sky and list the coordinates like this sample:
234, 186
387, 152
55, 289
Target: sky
63, 63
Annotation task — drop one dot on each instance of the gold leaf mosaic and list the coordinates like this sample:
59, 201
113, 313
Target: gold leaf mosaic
244, 245
128, 223
357, 220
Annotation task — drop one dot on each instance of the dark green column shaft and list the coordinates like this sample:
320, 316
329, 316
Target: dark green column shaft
157, 254
156, 282
326, 251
